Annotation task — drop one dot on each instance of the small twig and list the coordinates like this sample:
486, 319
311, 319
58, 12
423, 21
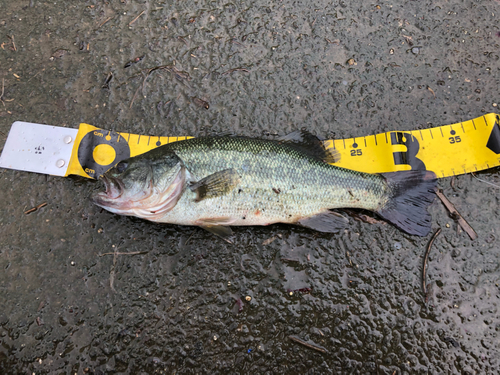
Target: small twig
189, 239
35, 208
13, 44
136, 18
291, 260
474, 175
143, 82
182, 40
432, 91
112, 271
103, 22
268, 241
234, 70
1, 95
35, 75
452, 183
310, 346
131, 253
456, 215
409, 40
136, 92
349, 257
426, 256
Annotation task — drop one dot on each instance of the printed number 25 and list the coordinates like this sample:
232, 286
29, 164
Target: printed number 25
455, 139
356, 152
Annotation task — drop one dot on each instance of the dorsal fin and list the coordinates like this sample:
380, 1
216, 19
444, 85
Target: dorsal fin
311, 145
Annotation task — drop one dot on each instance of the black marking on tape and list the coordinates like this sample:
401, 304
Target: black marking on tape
365, 141
441, 130
494, 139
462, 125
430, 130
408, 157
138, 139
421, 136
86, 152
474, 125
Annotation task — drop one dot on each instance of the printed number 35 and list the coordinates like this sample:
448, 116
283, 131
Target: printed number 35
455, 139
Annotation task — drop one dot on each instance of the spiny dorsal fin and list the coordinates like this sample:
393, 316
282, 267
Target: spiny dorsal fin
311, 145
216, 184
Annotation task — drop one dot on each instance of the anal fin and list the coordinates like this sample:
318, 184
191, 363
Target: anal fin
327, 222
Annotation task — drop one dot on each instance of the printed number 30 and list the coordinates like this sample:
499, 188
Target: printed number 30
455, 139
356, 152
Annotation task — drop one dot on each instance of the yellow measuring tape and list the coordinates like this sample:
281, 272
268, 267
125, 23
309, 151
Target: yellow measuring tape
448, 150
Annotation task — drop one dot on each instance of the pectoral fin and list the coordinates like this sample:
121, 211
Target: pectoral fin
328, 222
216, 184
220, 231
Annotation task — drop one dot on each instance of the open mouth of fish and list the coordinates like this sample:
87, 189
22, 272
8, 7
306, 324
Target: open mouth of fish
149, 203
113, 190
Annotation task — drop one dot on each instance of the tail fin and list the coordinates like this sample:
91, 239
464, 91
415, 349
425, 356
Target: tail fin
410, 194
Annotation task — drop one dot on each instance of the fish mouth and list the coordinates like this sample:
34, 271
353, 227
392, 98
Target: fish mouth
151, 202
114, 190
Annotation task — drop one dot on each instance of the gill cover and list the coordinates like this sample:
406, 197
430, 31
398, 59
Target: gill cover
146, 186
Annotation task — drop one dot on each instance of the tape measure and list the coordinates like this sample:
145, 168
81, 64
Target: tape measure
448, 150
97, 150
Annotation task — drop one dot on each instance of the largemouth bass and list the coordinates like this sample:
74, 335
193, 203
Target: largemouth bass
218, 182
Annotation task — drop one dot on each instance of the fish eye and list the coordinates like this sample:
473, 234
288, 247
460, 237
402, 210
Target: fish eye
121, 167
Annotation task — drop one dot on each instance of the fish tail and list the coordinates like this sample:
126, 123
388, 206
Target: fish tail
409, 195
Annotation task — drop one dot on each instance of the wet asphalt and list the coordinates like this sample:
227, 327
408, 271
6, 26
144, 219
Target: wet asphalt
85, 291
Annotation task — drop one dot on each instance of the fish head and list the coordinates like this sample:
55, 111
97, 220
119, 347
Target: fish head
146, 186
